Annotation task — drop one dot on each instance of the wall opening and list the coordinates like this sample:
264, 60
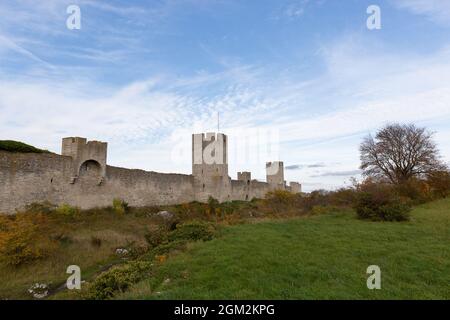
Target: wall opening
90, 168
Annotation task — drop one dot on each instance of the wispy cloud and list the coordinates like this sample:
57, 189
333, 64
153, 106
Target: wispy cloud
436, 10
338, 173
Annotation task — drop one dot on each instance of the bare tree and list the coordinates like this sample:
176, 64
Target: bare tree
399, 152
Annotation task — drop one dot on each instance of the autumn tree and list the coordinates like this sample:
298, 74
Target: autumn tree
398, 153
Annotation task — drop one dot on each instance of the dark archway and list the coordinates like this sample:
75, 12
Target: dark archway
90, 168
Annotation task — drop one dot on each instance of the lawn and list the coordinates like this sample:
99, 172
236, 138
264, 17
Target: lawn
319, 257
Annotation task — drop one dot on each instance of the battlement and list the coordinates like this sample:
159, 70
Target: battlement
88, 156
81, 177
244, 176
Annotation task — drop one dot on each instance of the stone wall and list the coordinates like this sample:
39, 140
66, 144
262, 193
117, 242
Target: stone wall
80, 177
28, 177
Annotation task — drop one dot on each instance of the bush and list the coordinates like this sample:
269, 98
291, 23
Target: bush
194, 230
439, 182
120, 206
416, 190
67, 210
281, 200
117, 279
24, 238
379, 202
155, 238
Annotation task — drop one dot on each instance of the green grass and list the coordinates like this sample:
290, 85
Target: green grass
320, 257
16, 146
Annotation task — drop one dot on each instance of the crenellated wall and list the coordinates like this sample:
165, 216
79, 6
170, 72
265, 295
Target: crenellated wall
27, 178
80, 177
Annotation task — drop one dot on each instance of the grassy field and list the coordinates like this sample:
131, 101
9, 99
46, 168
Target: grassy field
320, 257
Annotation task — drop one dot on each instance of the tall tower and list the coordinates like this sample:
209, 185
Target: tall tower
275, 174
210, 166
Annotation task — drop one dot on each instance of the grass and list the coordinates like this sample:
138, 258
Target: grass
319, 257
16, 146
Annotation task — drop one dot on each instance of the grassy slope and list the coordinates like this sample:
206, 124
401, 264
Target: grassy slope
113, 230
323, 257
16, 146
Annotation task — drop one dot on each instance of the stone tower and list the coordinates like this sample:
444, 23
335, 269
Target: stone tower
210, 166
295, 187
275, 174
89, 157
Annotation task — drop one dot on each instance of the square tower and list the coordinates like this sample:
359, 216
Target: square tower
245, 176
275, 174
210, 166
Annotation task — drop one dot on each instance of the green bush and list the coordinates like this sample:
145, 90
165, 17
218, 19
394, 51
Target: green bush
194, 230
120, 206
117, 279
67, 210
380, 203
155, 238
16, 146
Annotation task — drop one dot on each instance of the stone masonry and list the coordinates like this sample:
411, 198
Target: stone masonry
81, 177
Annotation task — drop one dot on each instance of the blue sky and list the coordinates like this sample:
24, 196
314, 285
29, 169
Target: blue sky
144, 75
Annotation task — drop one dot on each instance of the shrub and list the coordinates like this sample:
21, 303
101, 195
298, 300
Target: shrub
155, 238
213, 204
380, 202
117, 279
24, 238
67, 210
281, 200
439, 182
194, 230
120, 206
416, 190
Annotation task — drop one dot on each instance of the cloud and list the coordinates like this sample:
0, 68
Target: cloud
436, 10
338, 173
301, 166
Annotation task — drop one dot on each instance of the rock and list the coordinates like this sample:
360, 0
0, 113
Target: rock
121, 251
167, 281
38, 290
165, 215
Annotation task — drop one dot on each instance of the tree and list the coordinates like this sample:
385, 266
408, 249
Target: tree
399, 153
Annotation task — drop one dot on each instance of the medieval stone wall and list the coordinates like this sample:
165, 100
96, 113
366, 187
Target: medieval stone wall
80, 177
27, 178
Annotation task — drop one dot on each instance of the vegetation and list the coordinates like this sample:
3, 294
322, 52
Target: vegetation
16, 146
399, 153
319, 257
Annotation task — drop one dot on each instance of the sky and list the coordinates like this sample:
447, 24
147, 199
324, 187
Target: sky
300, 81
